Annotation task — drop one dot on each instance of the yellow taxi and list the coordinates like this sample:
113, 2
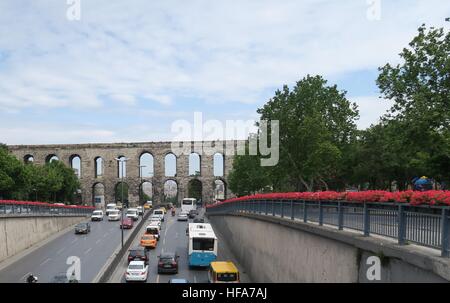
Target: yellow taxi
147, 206
223, 272
163, 209
149, 241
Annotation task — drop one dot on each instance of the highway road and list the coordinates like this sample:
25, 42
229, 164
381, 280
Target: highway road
173, 238
49, 260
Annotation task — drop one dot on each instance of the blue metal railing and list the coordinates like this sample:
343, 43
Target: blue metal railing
423, 225
13, 209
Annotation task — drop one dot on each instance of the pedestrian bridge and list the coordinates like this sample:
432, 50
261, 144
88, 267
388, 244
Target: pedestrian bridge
304, 241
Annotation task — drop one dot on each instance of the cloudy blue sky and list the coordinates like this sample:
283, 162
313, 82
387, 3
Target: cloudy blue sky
128, 69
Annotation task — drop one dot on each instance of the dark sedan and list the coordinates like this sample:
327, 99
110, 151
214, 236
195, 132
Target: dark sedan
82, 228
193, 213
138, 254
168, 263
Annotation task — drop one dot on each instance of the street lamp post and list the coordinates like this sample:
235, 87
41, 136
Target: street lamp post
121, 160
141, 188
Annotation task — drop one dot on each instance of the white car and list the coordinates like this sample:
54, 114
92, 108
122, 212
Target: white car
97, 215
136, 271
160, 213
153, 229
114, 215
133, 214
155, 220
183, 216
110, 207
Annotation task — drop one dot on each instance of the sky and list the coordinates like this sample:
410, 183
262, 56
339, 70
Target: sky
126, 71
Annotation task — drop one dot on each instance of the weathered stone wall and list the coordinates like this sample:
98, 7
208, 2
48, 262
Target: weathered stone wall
133, 151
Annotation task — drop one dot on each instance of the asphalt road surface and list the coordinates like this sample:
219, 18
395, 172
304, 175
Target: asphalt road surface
174, 239
49, 260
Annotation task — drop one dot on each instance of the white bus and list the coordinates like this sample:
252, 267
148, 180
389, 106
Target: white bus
188, 204
202, 244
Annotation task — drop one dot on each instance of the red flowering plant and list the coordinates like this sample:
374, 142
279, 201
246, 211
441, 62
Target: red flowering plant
372, 196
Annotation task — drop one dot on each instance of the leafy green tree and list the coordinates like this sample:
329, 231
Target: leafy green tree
317, 123
420, 89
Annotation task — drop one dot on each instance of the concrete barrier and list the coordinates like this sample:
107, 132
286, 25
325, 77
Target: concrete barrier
278, 250
20, 233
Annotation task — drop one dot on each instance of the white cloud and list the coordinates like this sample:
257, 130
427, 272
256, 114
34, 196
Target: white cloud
371, 108
156, 53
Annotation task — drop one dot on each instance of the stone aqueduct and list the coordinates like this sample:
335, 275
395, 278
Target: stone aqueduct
88, 153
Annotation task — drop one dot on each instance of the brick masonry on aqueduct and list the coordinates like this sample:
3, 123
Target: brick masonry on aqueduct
133, 151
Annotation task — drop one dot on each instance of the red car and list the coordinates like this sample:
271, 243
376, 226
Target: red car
127, 223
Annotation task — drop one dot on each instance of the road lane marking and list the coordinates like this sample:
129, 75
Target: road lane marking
105, 235
98, 241
157, 279
195, 279
87, 251
46, 260
74, 240
60, 251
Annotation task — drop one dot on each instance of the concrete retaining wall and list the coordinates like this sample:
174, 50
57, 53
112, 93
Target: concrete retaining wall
20, 233
276, 250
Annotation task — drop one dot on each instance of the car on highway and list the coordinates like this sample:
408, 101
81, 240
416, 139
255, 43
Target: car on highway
193, 213
164, 209
160, 213
153, 229
149, 241
114, 215
140, 210
199, 220
168, 263
138, 253
127, 223
82, 228
137, 271
182, 216
133, 214
223, 272
148, 204
110, 207
155, 220
97, 215
178, 280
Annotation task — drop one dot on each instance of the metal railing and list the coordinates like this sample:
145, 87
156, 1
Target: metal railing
24, 209
423, 225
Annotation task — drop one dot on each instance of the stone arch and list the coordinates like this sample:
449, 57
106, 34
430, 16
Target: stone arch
118, 193
51, 158
146, 165
28, 159
75, 164
195, 189
98, 195
195, 164
98, 166
121, 167
170, 165
218, 165
219, 189
146, 191
170, 191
